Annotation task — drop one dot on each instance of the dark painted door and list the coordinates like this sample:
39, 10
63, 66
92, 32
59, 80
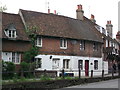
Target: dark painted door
86, 67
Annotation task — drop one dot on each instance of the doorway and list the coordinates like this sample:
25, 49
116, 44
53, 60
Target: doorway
86, 67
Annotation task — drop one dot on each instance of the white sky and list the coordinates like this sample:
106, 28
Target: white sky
102, 9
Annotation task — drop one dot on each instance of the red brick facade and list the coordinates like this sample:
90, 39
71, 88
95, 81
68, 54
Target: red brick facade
52, 46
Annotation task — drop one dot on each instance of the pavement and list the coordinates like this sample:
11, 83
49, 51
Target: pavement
103, 85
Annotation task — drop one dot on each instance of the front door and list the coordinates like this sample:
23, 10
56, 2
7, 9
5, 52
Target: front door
86, 67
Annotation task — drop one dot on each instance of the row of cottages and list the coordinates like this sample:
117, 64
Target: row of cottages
64, 42
111, 46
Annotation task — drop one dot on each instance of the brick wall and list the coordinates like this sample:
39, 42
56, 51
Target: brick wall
52, 46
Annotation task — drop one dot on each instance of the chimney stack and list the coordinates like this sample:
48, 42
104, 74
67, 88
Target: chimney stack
80, 12
48, 11
54, 11
118, 36
93, 18
109, 28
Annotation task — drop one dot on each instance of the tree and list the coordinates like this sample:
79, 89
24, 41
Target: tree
29, 55
3, 8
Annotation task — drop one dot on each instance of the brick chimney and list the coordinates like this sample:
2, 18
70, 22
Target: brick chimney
109, 28
93, 18
118, 36
48, 11
79, 12
54, 11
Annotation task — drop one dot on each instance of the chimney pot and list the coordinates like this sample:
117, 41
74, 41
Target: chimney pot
110, 22
79, 6
107, 22
92, 16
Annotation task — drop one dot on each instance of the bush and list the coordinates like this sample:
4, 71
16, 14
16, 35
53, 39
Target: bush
8, 69
45, 78
25, 69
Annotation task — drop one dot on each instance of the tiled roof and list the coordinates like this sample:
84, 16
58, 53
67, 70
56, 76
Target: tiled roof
13, 19
61, 26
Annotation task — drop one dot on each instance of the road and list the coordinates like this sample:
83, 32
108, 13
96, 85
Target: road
103, 84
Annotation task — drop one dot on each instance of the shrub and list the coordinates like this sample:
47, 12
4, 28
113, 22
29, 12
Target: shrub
8, 69
45, 78
25, 68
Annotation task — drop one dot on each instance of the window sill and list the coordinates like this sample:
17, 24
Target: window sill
63, 47
39, 45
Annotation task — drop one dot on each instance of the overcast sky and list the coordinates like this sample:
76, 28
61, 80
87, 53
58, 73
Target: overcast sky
102, 9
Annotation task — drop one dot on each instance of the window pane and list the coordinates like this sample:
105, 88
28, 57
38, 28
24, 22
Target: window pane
61, 43
13, 57
63, 63
39, 41
13, 34
80, 64
38, 63
95, 64
67, 64
9, 33
64, 41
17, 57
82, 45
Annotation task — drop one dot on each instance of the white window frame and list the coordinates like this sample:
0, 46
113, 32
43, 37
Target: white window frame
7, 33
9, 56
39, 42
17, 58
95, 46
66, 63
63, 43
55, 63
38, 62
95, 66
82, 45
80, 64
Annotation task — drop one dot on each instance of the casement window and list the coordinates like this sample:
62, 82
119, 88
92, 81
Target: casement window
66, 63
80, 64
38, 62
39, 42
16, 58
96, 64
63, 43
95, 46
10, 31
11, 57
82, 45
55, 63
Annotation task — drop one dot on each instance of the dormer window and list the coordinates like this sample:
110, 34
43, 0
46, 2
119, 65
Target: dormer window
10, 32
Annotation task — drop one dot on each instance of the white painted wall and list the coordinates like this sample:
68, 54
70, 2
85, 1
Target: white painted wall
106, 43
47, 64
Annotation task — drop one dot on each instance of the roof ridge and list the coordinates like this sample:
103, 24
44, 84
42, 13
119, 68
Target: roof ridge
50, 14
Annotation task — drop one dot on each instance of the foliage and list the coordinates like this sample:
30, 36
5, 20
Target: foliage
33, 51
32, 33
3, 8
25, 68
8, 69
45, 78
30, 54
